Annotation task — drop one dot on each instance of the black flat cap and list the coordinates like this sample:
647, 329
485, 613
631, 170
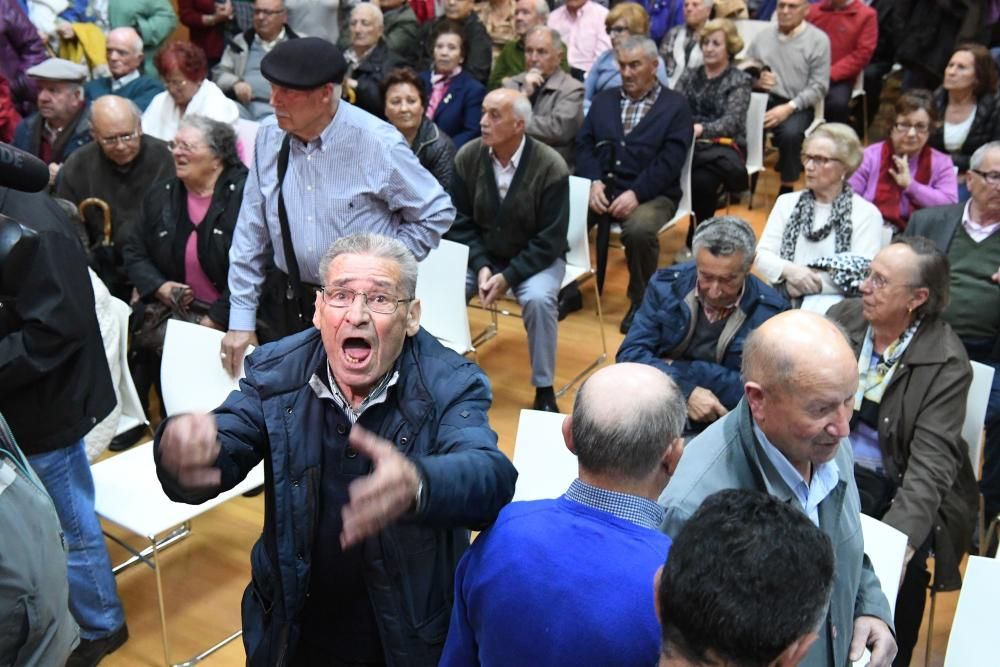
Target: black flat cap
304, 63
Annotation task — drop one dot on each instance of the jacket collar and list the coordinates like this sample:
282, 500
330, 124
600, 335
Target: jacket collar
924, 349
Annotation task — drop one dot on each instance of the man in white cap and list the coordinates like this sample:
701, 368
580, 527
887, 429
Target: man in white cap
62, 122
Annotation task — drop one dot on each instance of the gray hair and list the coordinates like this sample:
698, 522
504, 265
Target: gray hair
219, 137
375, 245
521, 107
726, 235
932, 271
629, 445
977, 158
640, 43
553, 34
134, 37
542, 9
846, 145
375, 10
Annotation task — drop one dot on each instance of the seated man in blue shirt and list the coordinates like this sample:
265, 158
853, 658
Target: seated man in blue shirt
719, 606
567, 581
695, 317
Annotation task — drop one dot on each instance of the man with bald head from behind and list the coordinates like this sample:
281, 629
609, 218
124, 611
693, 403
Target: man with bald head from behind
125, 58
787, 437
569, 581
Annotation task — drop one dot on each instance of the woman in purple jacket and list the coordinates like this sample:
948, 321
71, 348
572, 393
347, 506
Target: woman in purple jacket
904, 174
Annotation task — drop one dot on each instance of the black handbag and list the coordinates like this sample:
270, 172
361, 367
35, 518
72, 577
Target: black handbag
876, 491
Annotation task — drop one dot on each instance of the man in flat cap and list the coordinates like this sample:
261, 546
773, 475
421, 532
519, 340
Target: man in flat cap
62, 122
327, 170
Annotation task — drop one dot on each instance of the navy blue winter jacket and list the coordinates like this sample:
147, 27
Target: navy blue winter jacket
664, 321
438, 419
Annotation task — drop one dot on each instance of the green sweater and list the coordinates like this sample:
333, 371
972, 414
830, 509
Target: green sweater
974, 310
527, 231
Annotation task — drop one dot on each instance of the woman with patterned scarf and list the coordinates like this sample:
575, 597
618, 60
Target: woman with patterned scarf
904, 174
825, 220
911, 465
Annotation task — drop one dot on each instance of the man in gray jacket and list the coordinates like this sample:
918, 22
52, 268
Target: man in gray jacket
238, 73
788, 438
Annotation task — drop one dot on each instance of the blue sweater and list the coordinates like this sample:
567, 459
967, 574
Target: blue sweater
556, 582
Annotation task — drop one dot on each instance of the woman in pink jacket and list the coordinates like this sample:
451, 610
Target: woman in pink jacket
904, 174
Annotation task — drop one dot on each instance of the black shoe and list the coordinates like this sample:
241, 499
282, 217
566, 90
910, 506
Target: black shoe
570, 300
254, 492
123, 441
545, 400
784, 190
90, 652
629, 316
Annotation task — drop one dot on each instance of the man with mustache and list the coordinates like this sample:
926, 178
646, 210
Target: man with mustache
379, 458
787, 437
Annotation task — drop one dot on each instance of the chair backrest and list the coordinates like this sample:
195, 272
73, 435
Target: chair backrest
684, 207
975, 411
578, 254
191, 374
132, 414
441, 290
973, 629
545, 468
246, 139
755, 131
748, 30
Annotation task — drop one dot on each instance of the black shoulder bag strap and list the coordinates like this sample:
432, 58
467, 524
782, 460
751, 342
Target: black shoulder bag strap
293, 293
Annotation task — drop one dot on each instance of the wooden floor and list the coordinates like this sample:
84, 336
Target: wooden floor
204, 576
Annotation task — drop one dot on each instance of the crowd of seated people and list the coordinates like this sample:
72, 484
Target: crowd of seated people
468, 124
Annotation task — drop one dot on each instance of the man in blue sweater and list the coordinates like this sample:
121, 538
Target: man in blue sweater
640, 134
568, 581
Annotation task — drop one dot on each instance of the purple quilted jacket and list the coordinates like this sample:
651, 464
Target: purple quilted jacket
20, 48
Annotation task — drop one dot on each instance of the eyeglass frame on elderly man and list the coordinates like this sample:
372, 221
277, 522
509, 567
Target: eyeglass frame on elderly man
991, 177
327, 293
109, 142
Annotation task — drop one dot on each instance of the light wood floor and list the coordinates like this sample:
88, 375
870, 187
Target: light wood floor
205, 575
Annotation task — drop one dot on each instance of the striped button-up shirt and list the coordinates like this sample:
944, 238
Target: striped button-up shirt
358, 176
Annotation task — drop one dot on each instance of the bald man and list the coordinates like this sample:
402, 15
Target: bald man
118, 166
125, 57
788, 437
579, 591
511, 194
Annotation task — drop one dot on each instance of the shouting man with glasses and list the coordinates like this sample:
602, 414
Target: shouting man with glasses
238, 73
970, 235
125, 63
378, 460
118, 167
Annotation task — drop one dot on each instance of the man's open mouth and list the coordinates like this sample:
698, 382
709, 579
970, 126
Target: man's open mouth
357, 350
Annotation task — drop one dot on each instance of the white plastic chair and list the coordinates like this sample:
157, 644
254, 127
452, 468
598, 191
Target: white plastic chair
749, 29
886, 548
755, 138
246, 139
441, 290
684, 209
132, 413
127, 490
974, 627
545, 468
975, 411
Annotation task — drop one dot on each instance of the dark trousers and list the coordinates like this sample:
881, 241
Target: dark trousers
874, 80
787, 137
836, 107
910, 601
706, 185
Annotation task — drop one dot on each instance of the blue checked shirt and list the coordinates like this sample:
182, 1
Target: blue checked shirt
634, 509
823, 481
358, 176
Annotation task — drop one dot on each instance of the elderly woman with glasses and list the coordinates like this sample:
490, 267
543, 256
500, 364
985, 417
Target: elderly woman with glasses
904, 174
624, 20
911, 465
825, 220
183, 68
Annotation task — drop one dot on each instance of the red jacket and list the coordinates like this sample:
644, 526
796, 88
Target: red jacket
853, 33
209, 37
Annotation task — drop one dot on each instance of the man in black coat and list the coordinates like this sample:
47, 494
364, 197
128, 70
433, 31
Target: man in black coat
54, 387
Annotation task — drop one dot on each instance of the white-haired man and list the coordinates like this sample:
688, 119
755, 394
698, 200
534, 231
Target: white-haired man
125, 57
511, 194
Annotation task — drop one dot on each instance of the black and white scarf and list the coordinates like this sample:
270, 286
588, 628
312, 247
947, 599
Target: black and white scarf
801, 223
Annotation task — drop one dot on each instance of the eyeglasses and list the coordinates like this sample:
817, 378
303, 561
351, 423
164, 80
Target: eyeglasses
991, 177
615, 29
377, 302
879, 282
175, 83
818, 160
119, 139
919, 128
268, 12
183, 146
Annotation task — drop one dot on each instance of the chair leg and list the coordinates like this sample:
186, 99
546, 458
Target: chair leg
930, 630
600, 359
